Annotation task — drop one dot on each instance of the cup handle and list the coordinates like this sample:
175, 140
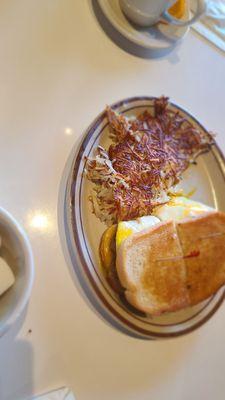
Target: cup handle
201, 8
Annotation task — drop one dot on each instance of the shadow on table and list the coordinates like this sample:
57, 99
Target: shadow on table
69, 250
68, 245
127, 368
108, 361
16, 364
126, 44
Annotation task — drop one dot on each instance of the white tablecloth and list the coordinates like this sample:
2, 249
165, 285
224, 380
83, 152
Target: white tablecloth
58, 70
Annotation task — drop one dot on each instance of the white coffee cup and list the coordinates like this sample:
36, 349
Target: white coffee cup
148, 12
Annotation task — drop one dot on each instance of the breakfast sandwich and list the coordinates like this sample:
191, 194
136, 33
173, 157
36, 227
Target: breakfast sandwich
170, 260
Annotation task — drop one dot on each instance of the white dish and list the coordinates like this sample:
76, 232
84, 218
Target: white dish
16, 250
162, 36
84, 230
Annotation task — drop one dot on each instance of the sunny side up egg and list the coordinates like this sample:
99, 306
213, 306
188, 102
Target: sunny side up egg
176, 209
126, 228
179, 208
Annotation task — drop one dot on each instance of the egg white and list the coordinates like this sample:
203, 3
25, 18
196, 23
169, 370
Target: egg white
176, 209
126, 228
179, 208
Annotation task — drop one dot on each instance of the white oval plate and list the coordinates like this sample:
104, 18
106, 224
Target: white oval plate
161, 36
85, 230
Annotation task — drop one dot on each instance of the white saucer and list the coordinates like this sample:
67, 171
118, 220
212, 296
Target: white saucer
161, 36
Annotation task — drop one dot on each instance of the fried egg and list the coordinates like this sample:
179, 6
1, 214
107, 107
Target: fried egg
179, 208
126, 228
176, 209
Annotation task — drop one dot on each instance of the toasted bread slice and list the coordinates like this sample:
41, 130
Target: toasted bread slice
203, 244
172, 266
151, 269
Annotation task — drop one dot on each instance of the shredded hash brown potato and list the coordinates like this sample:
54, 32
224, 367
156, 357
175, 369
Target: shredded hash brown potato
146, 159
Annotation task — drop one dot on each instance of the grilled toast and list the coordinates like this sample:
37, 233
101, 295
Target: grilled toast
173, 265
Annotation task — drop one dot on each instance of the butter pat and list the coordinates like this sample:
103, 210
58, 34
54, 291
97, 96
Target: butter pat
7, 278
59, 394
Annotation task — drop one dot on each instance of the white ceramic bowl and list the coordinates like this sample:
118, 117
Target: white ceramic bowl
16, 250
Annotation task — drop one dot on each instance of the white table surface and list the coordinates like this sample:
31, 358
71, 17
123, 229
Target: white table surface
58, 69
